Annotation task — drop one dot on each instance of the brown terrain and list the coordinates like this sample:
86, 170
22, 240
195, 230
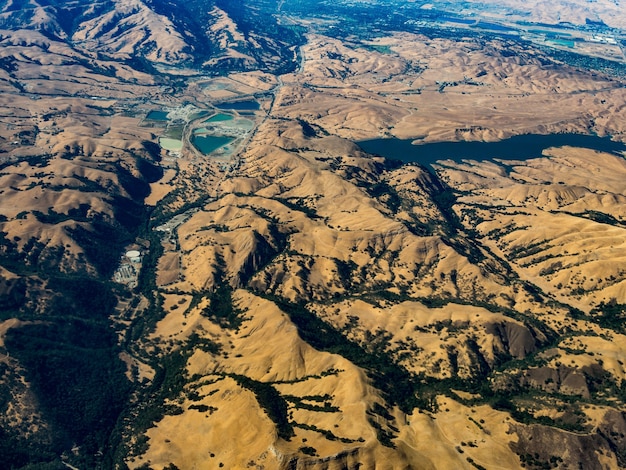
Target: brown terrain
609, 12
309, 305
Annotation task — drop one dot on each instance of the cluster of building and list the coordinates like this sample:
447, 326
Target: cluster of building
128, 271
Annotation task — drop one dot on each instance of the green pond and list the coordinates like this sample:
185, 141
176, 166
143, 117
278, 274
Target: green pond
521, 147
210, 143
198, 115
171, 144
220, 118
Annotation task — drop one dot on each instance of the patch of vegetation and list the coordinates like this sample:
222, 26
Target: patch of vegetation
78, 214
308, 450
202, 408
102, 244
258, 18
603, 218
512, 401
137, 188
385, 194
301, 403
271, 401
299, 204
168, 383
12, 298
383, 435
167, 386
221, 309
74, 367
326, 373
176, 202
445, 199
149, 171
324, 432
583, 62
146, 285
474, 464
398, 385
535, 462
611, 315
345, 270
307, 129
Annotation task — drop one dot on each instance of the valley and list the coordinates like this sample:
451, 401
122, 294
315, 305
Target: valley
298, 302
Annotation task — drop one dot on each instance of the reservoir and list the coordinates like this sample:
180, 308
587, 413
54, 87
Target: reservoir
157, 116
210, 143
220, 118
249, 105
520, 147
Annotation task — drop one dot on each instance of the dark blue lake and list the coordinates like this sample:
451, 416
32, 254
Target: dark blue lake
249, 105
520, 147
157, 116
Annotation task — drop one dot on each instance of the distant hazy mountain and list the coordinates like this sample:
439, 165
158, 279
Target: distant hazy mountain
234, 35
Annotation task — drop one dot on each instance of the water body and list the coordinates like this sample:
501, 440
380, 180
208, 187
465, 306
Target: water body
549, 34
210, 143
220, 118
157, 116
198, 115
249, 105
563, 42
520, 147
171, 144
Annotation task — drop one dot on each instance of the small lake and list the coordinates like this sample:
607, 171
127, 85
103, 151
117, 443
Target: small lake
220, 118
171, 144
249, 105
157, 116
210, 143
520, 147
549, 34
562, 42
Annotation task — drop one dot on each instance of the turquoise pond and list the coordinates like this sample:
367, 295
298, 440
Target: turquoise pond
521, 147
220, 118
563, 42
210, 143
